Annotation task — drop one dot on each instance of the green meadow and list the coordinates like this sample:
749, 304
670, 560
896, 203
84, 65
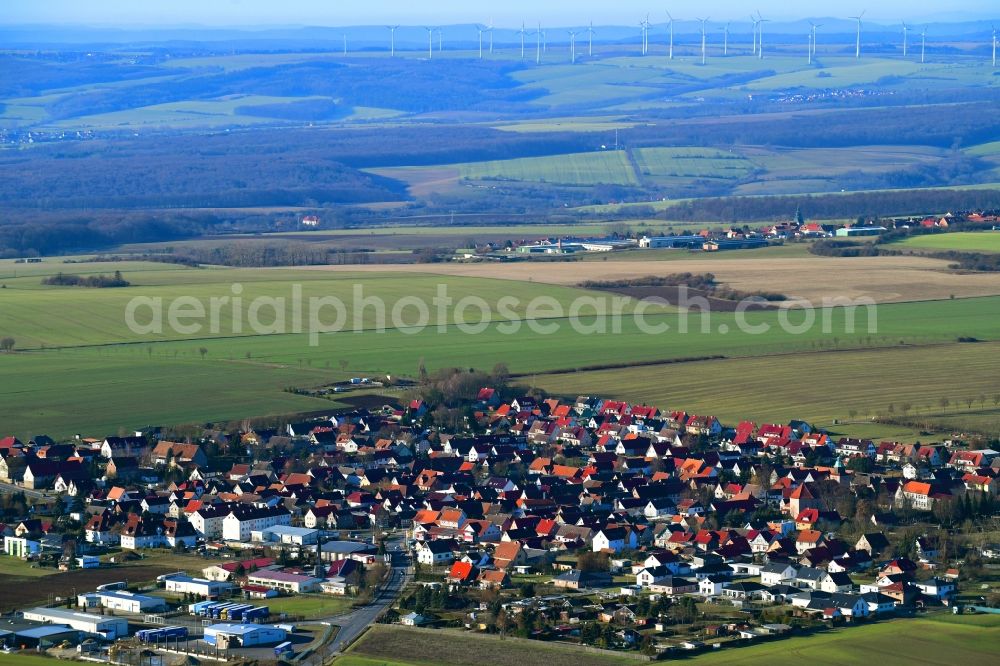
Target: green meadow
963, 241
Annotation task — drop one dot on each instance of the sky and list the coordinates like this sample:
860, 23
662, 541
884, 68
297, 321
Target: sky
234, 13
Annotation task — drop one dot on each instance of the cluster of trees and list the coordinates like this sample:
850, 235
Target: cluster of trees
13, 506
702, 282
457, 387
94, 281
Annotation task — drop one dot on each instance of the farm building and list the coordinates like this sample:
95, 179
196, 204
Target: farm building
109, 627
197, 586
243, 635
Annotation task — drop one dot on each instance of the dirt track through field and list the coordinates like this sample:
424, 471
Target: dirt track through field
885, 279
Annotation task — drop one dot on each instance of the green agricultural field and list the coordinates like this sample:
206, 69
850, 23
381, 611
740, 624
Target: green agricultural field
65, 393
77, 367
534, 345
964, 241
691, 163
904, 642
610, 167
42, 316
819, 387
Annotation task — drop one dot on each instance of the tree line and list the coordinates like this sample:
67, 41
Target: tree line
61, 279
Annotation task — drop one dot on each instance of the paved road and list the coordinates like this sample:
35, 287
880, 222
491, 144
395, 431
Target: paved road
354, 623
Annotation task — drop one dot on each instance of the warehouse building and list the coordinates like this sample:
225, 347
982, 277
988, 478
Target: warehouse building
286, 534
209, 589
40, 636
128, 602
225, 636
676, 242
108, 627
333, 551
281, 580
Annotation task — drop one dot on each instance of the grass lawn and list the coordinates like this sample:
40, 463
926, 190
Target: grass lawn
904, 642
965, 241
13, 566
310, 605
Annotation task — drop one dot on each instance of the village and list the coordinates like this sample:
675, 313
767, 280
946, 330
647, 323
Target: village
726, 238
588, 521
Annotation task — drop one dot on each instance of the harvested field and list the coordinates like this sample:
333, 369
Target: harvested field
424, 181
388, 643
19, 592
884, 279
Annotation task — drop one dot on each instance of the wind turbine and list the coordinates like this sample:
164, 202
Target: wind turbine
812, 40
725, 40
590, 41
430, 42
994, 47
857, 47
481, 30
644, 24
490, 30
756, 24
392, 39
522, 33
572, 46
760, 37
923, 44
670, 23
703, 22
440, 40
538, 45
906, 29
345, 43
